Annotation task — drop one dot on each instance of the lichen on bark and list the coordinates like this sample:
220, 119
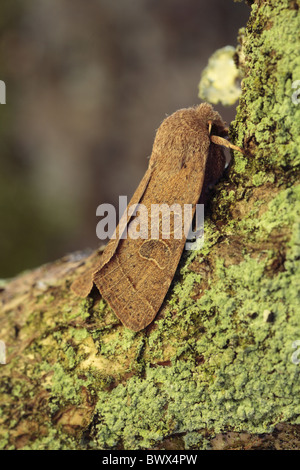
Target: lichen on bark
215, 369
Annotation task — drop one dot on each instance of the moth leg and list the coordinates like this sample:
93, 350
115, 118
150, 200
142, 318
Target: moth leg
221, 141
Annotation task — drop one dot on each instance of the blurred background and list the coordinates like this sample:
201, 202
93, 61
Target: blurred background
87, 85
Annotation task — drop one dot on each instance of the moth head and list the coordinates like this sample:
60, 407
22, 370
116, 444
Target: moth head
216, 133
215, 126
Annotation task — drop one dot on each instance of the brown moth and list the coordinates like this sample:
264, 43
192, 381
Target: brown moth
134, 275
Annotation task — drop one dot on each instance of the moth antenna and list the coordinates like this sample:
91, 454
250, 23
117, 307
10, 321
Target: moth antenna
221, 141
210, 123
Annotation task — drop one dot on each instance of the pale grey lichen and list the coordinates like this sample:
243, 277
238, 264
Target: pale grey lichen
220, 80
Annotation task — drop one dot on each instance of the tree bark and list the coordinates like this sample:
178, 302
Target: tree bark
219, 366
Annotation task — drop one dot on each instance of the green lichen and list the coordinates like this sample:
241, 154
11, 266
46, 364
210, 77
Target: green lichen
266, 110
261, 178
64, 389
71, 356
54, 440
194, 440
4, 440
86, 305
79, 334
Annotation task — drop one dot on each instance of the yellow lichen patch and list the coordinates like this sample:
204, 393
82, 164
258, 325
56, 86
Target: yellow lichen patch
220, 79
98, 361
